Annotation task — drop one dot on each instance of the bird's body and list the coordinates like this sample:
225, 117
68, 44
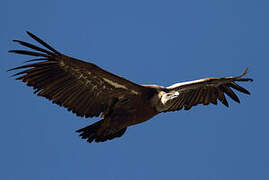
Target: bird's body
88, 91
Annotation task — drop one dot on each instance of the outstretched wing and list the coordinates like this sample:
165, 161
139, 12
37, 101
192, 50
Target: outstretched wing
205, 91
81, 87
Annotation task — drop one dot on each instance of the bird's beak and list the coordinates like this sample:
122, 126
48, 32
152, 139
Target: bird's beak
175, 95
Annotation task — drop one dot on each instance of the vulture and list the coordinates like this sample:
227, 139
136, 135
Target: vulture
90, 91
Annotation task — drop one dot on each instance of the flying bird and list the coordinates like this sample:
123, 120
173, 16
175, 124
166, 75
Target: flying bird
90, 91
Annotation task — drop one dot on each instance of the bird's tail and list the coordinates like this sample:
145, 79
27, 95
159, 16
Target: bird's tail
91, 133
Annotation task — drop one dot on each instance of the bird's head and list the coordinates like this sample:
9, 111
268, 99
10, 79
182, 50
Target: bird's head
168, 97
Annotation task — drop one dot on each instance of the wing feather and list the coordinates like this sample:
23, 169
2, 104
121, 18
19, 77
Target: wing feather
188, 98
202, 95
194, 98
222, 97
214, 95
230, 93
207, 96
206, 91
79, 86
238, 88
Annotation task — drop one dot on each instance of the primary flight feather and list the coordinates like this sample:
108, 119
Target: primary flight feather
88, 91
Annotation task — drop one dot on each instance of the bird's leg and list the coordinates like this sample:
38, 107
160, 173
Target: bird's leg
110, 107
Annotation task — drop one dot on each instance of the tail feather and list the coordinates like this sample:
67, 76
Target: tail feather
91, 133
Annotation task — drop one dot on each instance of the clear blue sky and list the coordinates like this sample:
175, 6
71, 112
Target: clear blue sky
161, 42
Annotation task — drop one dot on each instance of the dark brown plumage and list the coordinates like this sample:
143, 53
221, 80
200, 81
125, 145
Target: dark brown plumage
88, 91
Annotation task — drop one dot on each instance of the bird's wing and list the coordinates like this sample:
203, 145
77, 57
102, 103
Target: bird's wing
205, 91
81, 87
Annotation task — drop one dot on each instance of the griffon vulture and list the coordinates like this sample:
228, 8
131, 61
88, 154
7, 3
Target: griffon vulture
88, 91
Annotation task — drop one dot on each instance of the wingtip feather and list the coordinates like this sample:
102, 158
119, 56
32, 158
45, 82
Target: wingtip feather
243, 73
42, 42
29, 33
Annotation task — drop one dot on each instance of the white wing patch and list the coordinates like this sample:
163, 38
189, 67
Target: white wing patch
185, 83
117, 85
114, 84
134, 92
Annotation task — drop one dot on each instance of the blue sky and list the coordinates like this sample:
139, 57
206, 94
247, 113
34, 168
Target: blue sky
159, 42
